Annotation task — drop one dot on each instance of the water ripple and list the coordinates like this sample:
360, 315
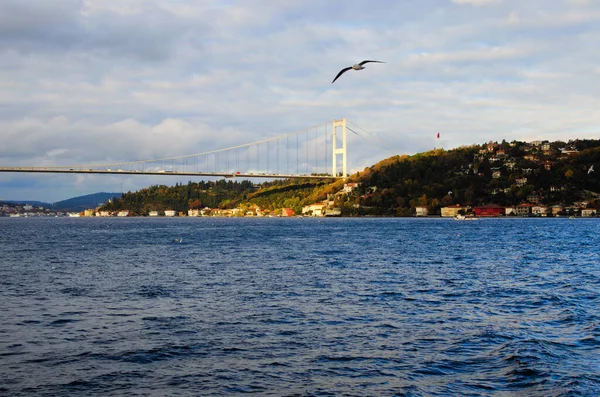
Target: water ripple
299, 307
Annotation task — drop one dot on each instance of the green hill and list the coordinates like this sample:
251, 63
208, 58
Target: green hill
499, 173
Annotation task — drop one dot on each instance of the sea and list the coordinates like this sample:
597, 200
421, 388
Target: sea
299, 307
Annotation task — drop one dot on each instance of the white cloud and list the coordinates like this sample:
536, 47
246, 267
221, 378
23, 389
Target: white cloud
514, 18
579, 2
96, 81
475, 2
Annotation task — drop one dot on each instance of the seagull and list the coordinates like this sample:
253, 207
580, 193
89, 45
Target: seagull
591, 169
358, 66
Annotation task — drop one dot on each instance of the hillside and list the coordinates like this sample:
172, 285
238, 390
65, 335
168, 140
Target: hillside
78, 204
24, 202
499, 173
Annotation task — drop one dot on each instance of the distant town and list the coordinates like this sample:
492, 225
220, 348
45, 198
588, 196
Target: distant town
322, 209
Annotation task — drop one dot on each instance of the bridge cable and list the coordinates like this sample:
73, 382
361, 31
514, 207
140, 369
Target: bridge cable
394, 150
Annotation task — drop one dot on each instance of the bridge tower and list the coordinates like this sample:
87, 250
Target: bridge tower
341, 150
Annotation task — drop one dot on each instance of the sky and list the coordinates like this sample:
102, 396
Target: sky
95, 81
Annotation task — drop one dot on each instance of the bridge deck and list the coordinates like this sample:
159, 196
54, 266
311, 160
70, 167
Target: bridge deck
161, 173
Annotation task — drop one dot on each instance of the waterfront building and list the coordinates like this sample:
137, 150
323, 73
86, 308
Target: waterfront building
489, 210
420, 211
451, 211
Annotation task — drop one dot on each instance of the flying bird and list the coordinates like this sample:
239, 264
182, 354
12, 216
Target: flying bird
591, 169
358, 66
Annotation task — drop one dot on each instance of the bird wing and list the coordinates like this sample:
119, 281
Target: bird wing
367, 61
340, 73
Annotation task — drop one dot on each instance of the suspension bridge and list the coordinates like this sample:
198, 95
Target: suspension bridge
317, 152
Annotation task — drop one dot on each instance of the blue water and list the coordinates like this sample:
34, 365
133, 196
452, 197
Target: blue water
299, 307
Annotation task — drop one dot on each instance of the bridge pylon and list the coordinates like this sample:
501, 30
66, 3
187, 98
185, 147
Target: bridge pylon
339, 150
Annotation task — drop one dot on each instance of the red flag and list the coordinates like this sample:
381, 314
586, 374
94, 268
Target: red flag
438, 136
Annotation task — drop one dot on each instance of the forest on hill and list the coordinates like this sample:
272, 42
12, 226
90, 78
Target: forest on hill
503, 173
224, 194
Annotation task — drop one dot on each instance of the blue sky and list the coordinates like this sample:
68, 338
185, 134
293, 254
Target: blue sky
92, 81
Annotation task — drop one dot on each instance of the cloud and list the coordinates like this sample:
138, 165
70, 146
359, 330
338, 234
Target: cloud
100, 81
514, 18
475, 2
579, 2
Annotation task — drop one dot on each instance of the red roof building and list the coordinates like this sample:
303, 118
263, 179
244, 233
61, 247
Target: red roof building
489, 210
287, 212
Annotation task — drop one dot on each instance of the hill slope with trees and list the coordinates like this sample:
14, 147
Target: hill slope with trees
503, 173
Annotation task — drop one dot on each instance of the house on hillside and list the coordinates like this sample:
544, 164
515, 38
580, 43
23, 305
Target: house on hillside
350, 186
521, 181
546, 146
533, 198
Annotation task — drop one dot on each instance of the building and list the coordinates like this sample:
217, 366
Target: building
350, 186
123, 213
546, 146
333, 212
89, 212
153, 213
452, 210
287, 212
524, 209
314, 209
170, 212
489, 210
539, 210
587, 212
521, 181
195, 212
420, 211
556, 210
533, 198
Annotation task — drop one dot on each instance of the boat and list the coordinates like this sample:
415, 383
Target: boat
460, 217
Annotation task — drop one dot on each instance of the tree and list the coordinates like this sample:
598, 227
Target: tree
569, 174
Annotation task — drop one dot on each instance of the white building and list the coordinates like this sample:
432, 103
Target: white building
350, 186
314, 209
587, 212
420, 211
